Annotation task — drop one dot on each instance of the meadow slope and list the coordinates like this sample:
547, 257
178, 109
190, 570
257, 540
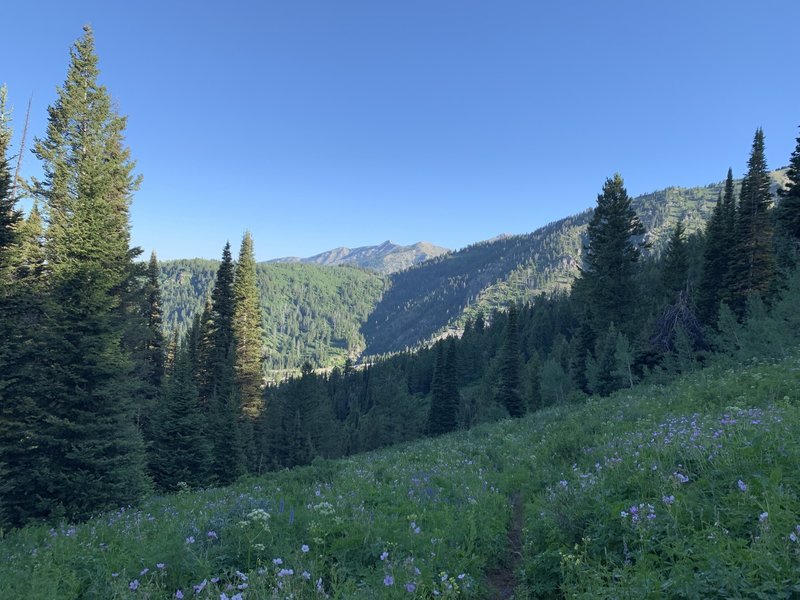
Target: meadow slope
689, 490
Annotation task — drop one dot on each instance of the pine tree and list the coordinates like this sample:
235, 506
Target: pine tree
436, 424
508, 386
788, 210
91, 449
610, 258
717, 254
444, 390
180, 450
675, 268
154, 347
217, 377
753, 264
247, 329
10, 215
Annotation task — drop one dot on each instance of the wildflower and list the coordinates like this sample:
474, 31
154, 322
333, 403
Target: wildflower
285, 572
237, 597
134, 585
388, 580
115, 574
563, 483
161, 566
742, 485
384, 555
241, 575
411, 587
223, 596
306, 575
320, 587
244, 586
793, 537
190, 539
462, 575
668, 500
215, 580
144, 572
200, 586
212, 535
277, 561
179, 594
763, 517
304, 548
680, 477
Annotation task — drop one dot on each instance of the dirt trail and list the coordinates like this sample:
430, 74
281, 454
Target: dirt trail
503, 579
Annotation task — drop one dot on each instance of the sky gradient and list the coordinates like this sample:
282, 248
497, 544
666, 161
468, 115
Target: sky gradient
317, 124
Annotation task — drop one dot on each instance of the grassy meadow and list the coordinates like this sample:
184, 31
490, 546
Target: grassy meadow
690, 490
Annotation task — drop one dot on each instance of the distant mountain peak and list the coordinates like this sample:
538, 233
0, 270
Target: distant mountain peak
386, 257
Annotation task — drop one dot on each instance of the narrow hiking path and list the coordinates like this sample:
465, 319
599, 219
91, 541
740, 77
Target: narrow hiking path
503, 578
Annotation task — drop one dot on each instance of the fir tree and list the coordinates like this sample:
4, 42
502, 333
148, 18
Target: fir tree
788, 210
154, 346
753, 264
217, 377
717, 253
10, 216
508, 386
675, 270
180, 450
610, 258
444, 390
91, 449
247, 331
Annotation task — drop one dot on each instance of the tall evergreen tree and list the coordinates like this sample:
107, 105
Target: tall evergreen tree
675, 270
180, 450
155, 352
217, 380
753, 265
788, 210
610, 258
247, 330
442, 417
717, 254
10, 215
91, 449
508, 386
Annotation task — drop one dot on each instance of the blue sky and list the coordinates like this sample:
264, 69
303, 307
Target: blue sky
327, 123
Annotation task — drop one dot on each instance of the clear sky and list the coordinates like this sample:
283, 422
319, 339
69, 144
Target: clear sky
327, 123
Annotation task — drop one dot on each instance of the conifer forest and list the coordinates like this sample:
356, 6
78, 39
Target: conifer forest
605, 407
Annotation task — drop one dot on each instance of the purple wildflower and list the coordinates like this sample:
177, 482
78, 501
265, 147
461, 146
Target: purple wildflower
200, 586
304, 548
161, 566
144, 572
190, 539
277, 561
306, 575
212, 535
134, 585
668, 500
179, 594
763, 517
411, 587
384, 555
388, 580
742, 485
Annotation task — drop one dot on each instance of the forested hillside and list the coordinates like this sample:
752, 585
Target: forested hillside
442, 294
384, 258
310, 313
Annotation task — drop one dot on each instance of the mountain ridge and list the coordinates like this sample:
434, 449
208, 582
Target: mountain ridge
386, 257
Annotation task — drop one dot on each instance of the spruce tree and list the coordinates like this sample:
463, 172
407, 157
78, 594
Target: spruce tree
508, 386
753, 266
247, 329
611, 255
436, 422
675, 268
442, 417
10, 215
180, 450
717, 254
217, 377
155, 354
91, 449
788, 210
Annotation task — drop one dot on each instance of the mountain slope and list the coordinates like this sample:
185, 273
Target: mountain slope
310, 312
384, 258
440, 294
